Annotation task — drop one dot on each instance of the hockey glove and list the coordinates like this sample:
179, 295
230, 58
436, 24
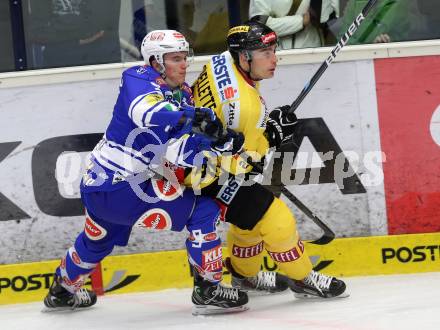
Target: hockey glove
185, 124
230, 142
280, 126
206, 122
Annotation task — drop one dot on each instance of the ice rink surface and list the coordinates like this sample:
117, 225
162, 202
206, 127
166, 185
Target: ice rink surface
376, 302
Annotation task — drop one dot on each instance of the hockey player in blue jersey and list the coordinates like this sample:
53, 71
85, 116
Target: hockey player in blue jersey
133, 178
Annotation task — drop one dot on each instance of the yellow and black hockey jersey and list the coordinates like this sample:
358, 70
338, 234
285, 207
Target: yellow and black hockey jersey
235, 99
239, 105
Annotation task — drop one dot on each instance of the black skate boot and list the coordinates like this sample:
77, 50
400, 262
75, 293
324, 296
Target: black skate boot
209, 298
318, 285
59, 298
264, 281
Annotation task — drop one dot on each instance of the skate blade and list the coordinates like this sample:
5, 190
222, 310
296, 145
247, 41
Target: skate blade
257, 293
63, 309
262, 292
311, 296
215, 310
56, 309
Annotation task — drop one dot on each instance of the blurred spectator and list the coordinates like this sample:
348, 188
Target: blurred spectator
139, 26
427, 23
141, 9
388, 20
298, 23
206, 24
75, 32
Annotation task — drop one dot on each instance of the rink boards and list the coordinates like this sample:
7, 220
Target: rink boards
398, 254
380, 115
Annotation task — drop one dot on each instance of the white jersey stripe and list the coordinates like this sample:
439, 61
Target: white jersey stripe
135, 103
174, 153
148, 114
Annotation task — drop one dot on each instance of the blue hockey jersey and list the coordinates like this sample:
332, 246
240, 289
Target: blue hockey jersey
151, 125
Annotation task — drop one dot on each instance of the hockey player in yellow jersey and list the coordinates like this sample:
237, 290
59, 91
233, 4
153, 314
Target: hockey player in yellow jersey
259, 220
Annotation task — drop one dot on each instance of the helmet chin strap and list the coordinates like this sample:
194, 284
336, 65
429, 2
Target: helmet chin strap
162, 70
250, 73
248, 56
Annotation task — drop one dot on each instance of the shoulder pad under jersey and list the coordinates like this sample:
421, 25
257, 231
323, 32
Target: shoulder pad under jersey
145, 78
143, 72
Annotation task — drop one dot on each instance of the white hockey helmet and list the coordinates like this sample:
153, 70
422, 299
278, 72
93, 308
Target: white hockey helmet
160, 42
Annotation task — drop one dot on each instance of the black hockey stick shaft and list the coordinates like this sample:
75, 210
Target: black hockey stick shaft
328, 235
340, 44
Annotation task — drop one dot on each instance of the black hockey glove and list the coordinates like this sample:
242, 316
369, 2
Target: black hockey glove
280, 126
206, 122
230, 142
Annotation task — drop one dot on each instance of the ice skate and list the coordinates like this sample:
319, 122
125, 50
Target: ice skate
317, 285
209, 298
59, 298
263, 282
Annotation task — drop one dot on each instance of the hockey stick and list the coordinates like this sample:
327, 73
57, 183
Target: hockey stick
341, 43
328, 235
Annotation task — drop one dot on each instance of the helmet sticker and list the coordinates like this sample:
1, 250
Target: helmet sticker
157, 36
160, 42
269, 38
237, 29
250, 36
178, 35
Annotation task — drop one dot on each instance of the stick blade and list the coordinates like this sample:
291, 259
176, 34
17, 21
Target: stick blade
325, 239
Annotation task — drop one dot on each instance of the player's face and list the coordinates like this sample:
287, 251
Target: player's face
175, 68
264, 63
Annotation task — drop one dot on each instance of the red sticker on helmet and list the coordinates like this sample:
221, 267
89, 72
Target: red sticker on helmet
157, 36
178, 35
269, 38
155, 219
